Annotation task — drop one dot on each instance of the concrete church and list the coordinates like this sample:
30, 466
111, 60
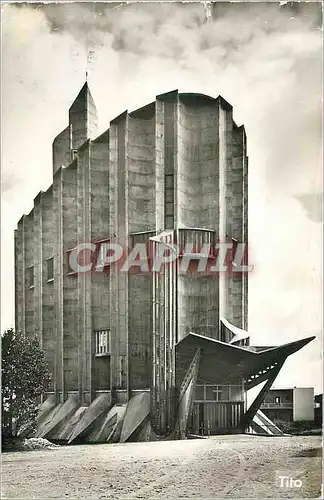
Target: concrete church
143, 356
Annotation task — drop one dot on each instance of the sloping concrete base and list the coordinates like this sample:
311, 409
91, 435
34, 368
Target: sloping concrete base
106, 424
65, 431
138, 409
115, 430
95, 410
47, 406
57, 417
45, 422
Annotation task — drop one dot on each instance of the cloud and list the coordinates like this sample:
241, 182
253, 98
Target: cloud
264, 59
313, 205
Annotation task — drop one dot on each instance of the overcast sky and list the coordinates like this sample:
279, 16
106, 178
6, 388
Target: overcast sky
265, 59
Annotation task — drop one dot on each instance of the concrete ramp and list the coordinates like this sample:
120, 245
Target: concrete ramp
138, 409
60, 414
261, 424
96, 408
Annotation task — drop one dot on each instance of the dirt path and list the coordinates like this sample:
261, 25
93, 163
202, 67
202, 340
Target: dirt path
225, 466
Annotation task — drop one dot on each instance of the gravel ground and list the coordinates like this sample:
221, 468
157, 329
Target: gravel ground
224, 466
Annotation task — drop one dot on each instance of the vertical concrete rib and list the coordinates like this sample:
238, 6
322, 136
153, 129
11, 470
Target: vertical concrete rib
58, 283
70, 289
84, 279
141, 220
159, 165
236, 313
20, 277
38, 266
30, 273
100, 293
48, 289
118, 223
245, 230
224, 204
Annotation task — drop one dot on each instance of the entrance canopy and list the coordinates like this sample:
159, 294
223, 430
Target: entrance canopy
222, 363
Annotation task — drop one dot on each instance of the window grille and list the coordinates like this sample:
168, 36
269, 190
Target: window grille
102, 341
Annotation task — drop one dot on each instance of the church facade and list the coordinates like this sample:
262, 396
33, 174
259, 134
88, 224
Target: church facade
143, 355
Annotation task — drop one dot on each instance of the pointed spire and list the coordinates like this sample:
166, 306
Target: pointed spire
82, 117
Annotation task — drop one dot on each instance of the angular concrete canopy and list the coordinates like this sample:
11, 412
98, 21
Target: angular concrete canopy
226, 363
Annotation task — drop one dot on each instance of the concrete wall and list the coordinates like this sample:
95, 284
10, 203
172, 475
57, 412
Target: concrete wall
303, 403
197, 175
141, 170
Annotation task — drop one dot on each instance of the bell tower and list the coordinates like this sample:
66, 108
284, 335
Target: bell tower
82, 118
82, 126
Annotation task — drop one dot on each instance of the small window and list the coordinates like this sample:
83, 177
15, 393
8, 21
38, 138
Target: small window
74, 154
277, 400
102, 342
30, 277
50, 269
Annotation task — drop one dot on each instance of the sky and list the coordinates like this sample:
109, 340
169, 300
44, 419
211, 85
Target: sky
264, 58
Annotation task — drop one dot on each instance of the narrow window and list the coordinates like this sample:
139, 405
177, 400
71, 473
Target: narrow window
102, 338
30, 277
277, 400
50, 269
